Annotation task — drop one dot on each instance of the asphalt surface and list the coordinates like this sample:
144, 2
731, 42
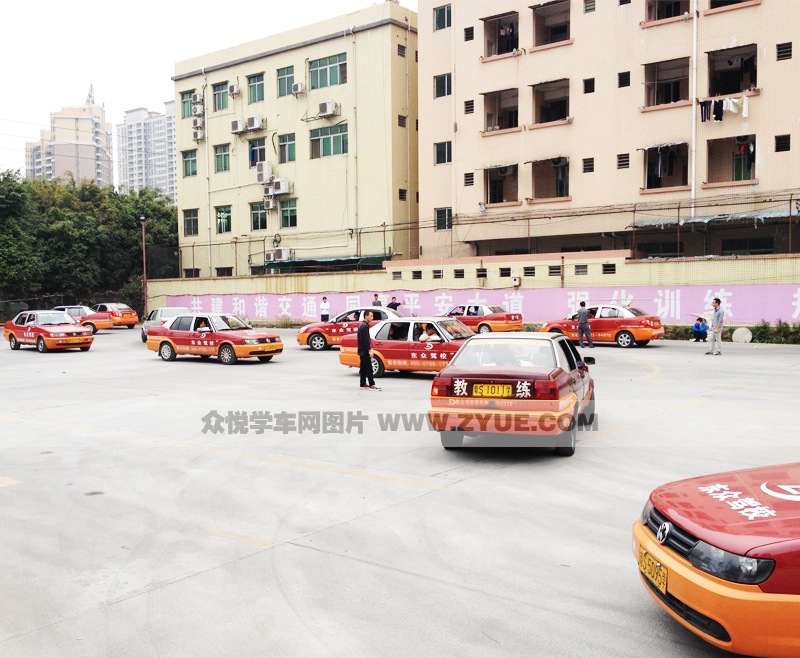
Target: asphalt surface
128, 530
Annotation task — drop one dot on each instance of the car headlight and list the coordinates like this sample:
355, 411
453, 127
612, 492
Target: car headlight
648, 506
304, 329
729, 566
252, 341
58, 334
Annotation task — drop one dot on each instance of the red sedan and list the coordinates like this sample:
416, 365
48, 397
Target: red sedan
47, 330
624, 325
122, 315
324, 335
484, 319
88, 318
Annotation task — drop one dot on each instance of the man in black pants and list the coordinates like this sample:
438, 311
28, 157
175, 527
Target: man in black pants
365, 353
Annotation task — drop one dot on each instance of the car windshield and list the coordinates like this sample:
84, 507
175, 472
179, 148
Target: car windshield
500, 353
635, 311
227, 323
55, 317
456, 329
497, 309
172, 312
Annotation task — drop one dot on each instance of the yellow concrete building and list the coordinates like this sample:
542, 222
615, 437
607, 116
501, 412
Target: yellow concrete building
299, 150
665, 127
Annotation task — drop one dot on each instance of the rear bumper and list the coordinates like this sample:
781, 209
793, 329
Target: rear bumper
551, 423
124, 321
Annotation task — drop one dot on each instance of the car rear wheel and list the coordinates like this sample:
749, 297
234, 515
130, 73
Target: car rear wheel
317, 342
167, 352
377, 367
89, 325
13, 343
265, 359
555, 331
624, 339
85, 348
642, 343
226, 355
144, 336
484, 329
452, 439
572, 435
41, 346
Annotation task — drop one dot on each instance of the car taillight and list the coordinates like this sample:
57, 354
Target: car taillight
118, 313
645, 323
546, 389
442, 387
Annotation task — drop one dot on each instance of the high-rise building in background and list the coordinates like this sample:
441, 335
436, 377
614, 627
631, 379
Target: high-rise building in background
77, 146
146, 151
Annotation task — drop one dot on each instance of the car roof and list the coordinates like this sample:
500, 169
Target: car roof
424, 318
39, 310
519, 335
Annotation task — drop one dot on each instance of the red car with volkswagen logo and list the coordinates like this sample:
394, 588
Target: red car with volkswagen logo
485, 319
324, 335
624, 325
721, 555
47, 330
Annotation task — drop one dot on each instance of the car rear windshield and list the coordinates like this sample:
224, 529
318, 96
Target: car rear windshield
497, 309
635, 311
501, 353
119, 307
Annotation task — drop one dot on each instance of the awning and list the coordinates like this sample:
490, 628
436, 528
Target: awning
660, 222
546, 2
658, 146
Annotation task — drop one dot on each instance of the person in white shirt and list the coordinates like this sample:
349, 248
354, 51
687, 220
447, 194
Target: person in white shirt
325, 310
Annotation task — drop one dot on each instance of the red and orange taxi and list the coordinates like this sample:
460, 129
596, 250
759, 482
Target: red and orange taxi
324, 335
212, 334
624, 325
484, 319
88, 318
47, 330
529, 385
122, 315
408, 344
721, 554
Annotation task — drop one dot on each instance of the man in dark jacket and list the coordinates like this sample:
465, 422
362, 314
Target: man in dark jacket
365, 353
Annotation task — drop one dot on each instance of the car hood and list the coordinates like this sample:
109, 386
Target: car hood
711, 506
248, 333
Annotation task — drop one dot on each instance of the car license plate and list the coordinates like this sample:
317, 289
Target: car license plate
491, 390
655, 571
76, 340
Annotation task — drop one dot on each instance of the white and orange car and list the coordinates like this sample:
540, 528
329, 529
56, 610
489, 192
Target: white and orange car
122, 315
324, 335
484, 319
88, 318
624, 325
47, 330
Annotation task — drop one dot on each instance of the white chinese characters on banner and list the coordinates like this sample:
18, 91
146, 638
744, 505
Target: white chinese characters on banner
514, 302
574, 299
285, 306
261, 304
196, 305
796, 304
309, 306
620, 298
668, 304
411, 303
443, 303
725, 296
237, 309
216, 304
477, 300
351, 302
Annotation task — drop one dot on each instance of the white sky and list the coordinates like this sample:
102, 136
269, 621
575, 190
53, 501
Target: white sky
52, 50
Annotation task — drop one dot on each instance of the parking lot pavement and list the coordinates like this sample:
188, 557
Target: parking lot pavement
132, 526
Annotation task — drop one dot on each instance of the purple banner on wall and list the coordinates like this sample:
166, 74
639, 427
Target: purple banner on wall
743, 304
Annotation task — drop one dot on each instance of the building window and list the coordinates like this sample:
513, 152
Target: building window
783, 143
505, 272
529, 270
190, 226
441, 18
551, 23
731, 159
588, 6
666, 166
222, 158
258, 216
609, 268
255, 88
458, 274
401, 120
191, 273
328, 71
748, 246
438, 274
469, 33
186, 104
502, 109
666, 82
285, 80
501, 184
442, 85
469, 179
469, 107
588, 165
397, 276
551, 101
329, 141
289, 213
442, 153
444, 218
402, 195
551, 178
554, 270
659, 10
624, 79
581, 270
220, 96
784, 51
733, 70
623, 160
189, 163
624, 2
416, 275
258, 151
224, 271
286, 148
501, 34
401, 50
588, 86
223, 215
481, 273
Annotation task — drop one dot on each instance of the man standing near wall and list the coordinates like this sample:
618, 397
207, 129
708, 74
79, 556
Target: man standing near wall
717, 323
584, 330
365, 353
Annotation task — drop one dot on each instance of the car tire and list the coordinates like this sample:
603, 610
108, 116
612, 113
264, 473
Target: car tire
85, 348
89, 325
587, 416
265, 359
451, 439
484, 329
167, 352
642, 343
572, 434
41, 345
144, 336
226, 355
378, 369
13, 343
624, 339
317, 342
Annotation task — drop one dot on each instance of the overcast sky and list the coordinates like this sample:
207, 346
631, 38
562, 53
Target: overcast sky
51, 51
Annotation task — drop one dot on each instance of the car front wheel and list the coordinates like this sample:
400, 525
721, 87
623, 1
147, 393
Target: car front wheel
226, 355
41, 345
624, 339
144, 336
85, 348
265, 359
167, 352
484, 329
130, 326
13, 343
89, 325
317, 342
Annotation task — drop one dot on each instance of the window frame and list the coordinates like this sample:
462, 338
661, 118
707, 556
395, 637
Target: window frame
223, 219
444, 12
285, 77
447, 152
259, 150
255, 88
443, 218
189, 160
321, 72
186, 104
222, 158
258, 216
288, 213
287, 148
330, 138
220, 96
447, 85
191, 221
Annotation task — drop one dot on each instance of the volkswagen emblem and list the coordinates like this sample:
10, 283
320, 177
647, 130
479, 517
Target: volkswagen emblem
663, 532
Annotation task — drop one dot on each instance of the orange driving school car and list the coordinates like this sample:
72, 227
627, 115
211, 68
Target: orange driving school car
88, 318
324, 335
529, 384
623, 325
212, 334
484, 319
397, 344
122, 315
721, 554
47, 330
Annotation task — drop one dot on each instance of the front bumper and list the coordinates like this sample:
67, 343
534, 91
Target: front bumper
68, 342
262, 349
302, 339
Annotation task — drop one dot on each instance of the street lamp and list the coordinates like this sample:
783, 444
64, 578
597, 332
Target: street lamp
143, 222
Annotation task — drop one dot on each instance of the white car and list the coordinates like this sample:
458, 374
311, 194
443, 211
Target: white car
159, 316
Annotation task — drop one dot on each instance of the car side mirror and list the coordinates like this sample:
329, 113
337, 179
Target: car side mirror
588, 360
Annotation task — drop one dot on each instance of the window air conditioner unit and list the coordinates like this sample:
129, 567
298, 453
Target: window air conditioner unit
270, 203
264, 172
237, 126
283, 253
197, 98
298, 88
269, 256
327, 109
269, 190
197, 110
255, 123
197, 135
233, 89
197, 122
280, 186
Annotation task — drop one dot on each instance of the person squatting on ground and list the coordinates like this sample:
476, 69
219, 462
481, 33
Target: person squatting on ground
700, 330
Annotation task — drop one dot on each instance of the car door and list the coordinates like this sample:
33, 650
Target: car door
391, 342
203, 341
605, 322
179, 331
23, 331
343, 325
565, 355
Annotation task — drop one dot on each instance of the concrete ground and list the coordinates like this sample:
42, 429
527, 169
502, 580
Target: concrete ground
129, 531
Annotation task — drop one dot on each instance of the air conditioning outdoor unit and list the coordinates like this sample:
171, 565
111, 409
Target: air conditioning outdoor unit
197, 122
197, 98
280, 186
270, 203
255, 123
328, 109
197, 135
233, 89
264, 172
237, 126
298, 87
283, 253
559, 162
197, 110
269, 256
269, 190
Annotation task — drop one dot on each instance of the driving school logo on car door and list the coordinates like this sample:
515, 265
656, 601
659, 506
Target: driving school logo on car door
792, 491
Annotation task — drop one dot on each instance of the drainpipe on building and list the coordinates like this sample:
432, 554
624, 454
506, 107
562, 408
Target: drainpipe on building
208, 169
695, 20
409, 240
562, 271
790, 222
